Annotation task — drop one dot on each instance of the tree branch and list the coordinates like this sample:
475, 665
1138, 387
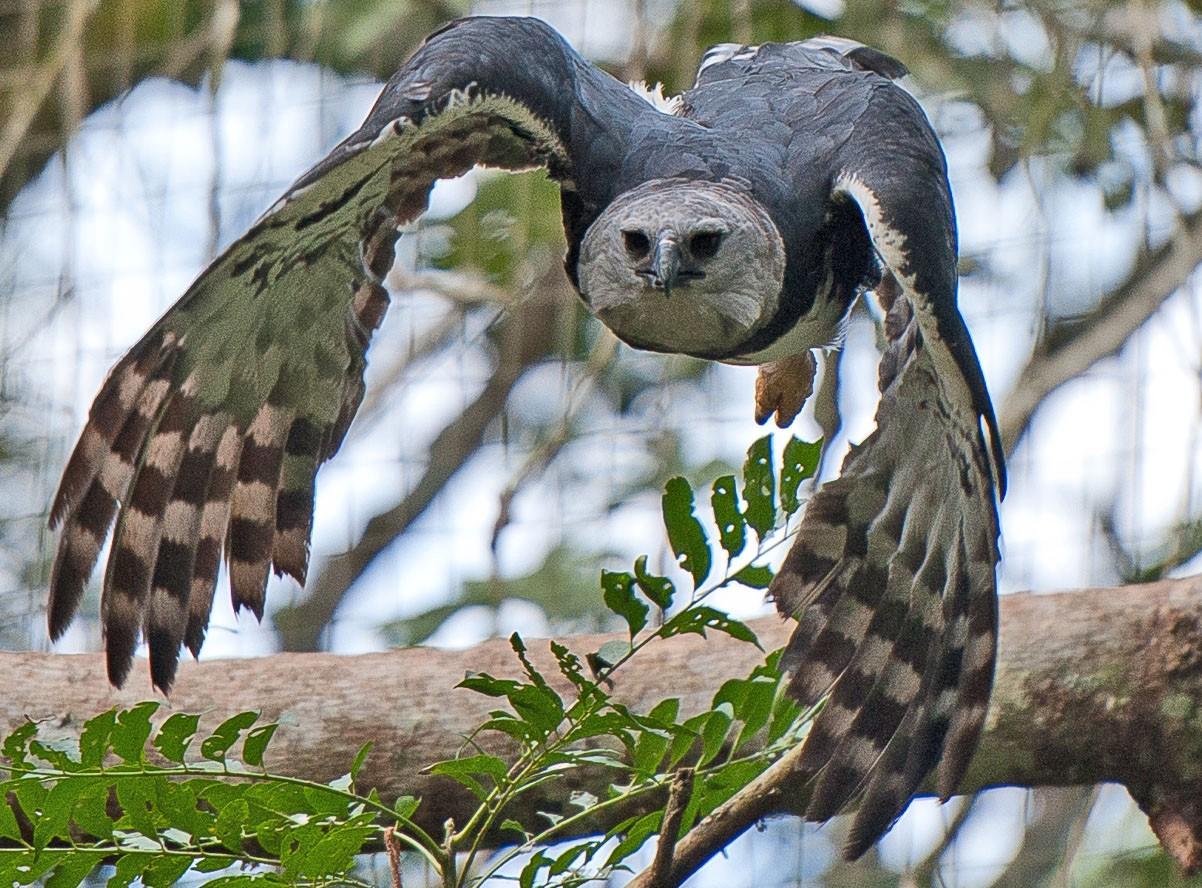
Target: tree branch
526, 337
1072, 346
1092, 686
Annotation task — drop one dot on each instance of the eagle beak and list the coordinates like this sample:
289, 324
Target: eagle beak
665, 265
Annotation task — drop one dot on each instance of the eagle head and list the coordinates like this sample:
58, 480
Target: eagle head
683, 266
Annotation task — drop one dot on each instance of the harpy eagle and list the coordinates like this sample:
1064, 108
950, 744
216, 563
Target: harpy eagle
739, 226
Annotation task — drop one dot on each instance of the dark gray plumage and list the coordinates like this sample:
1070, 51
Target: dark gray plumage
740, 227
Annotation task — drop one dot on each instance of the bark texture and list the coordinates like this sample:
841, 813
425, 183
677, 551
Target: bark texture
1093, 685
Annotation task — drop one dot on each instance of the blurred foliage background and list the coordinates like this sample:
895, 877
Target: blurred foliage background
509, 447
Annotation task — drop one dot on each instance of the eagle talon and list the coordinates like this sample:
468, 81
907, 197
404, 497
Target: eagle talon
782, 387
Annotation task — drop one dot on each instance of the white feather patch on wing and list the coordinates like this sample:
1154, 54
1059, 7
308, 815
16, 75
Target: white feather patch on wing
890, 245
654, 96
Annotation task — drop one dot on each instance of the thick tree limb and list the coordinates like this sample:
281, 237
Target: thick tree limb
1092, 686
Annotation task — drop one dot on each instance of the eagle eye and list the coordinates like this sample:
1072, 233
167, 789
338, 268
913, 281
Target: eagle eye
637, 244
704, 244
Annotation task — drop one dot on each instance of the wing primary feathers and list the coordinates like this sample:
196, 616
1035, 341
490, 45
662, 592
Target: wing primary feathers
128, 571
213, 522
128, 580
117, 398
251, 532
294, 502
171, 586
105, 472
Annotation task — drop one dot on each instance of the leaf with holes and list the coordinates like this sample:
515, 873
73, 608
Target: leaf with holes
759, 487
798, 463
618, 593
754, 576
659, 589
685, 533
732, 526
176, 735
226, 734
131, 731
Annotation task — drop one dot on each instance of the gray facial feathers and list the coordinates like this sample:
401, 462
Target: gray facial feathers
683, 266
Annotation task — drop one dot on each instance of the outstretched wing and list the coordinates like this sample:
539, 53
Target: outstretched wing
892, 575
207, 435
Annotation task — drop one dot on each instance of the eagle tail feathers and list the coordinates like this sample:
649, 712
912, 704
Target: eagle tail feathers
891, 579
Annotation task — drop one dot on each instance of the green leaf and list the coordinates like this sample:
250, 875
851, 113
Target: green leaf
29, 867
510, 824
751, 700
714, 731
131, 731
754, 576
129, 867
759, 487
798, 462
255, 744
685, 737
56, 811
538, 706
405, 807
570, 667
175, 735
94, 738
565, 860
696, 620
483, 683
685, 533
665, 710
360, 758
608, 655
539, 861
649, 751
74, 868
618, 593
334, 853
139, 805
466, 769
16, 744
732, 526
229, 824
635, 836
163, 872
659, 589
58, 759
8, 824
217, 744
178, 803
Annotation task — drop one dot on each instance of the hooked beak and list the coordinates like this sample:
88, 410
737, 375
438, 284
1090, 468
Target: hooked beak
664, 270
665, 265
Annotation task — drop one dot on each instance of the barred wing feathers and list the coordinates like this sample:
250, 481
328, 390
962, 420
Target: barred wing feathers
892, 575
205, 438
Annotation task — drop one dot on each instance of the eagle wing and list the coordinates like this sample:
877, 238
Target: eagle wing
206, 437
892, 576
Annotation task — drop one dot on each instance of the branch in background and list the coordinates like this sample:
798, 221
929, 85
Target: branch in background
39, 83
1181, 543
1072, 346
106, 47
527, 335
1092, 686
1051, 838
